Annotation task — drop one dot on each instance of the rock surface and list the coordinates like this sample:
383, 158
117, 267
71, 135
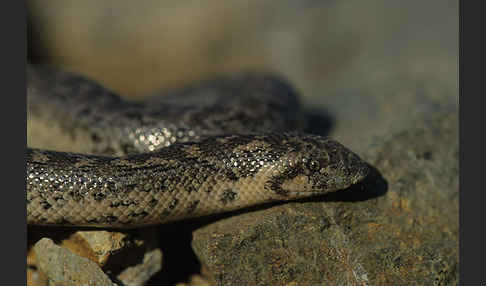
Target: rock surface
195, 280
400, 227
66, 268
130, 258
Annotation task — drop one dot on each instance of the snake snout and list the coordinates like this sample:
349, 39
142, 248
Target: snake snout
331, 166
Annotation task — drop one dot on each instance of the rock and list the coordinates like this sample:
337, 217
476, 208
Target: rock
196, 280
141, 273
100, 245
400, 227
63, 267
34, 276
129, 257
372, 110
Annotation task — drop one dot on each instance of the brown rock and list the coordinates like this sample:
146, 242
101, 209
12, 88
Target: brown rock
99, 245
196, 280
62, 267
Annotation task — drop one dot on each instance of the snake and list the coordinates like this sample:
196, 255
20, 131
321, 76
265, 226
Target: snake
96, 159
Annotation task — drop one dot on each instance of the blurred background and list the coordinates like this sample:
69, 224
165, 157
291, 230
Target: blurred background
370, 67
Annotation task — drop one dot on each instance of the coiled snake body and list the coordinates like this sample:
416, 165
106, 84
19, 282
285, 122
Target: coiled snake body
218, 146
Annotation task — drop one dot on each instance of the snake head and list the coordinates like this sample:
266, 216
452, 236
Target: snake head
318, 165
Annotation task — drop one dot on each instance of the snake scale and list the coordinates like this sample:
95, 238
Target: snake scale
216, 146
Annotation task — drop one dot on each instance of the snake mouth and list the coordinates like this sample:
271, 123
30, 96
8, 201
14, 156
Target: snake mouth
335, 184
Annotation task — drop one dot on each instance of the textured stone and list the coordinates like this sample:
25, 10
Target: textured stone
399, 227
195, 280
63, 267
34, 276
141, 273
98, 246
129, 257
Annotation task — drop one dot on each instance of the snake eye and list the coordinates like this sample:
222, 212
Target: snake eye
323, 171
313, 165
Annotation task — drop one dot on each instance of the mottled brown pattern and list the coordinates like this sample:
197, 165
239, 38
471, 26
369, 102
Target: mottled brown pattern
215, 169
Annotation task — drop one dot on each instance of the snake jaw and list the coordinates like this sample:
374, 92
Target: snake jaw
328, 166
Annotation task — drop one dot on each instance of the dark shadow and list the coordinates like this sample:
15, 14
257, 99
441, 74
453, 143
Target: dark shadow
57, 234
318, 122
133, 254
373, 186
36, 45
179, 258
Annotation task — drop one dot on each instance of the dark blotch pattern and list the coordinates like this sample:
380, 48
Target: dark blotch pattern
192, 207
228, 196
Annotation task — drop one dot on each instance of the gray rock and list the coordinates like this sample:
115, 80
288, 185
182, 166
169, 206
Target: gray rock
400, 227
141, 273
129, 257
63, 267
